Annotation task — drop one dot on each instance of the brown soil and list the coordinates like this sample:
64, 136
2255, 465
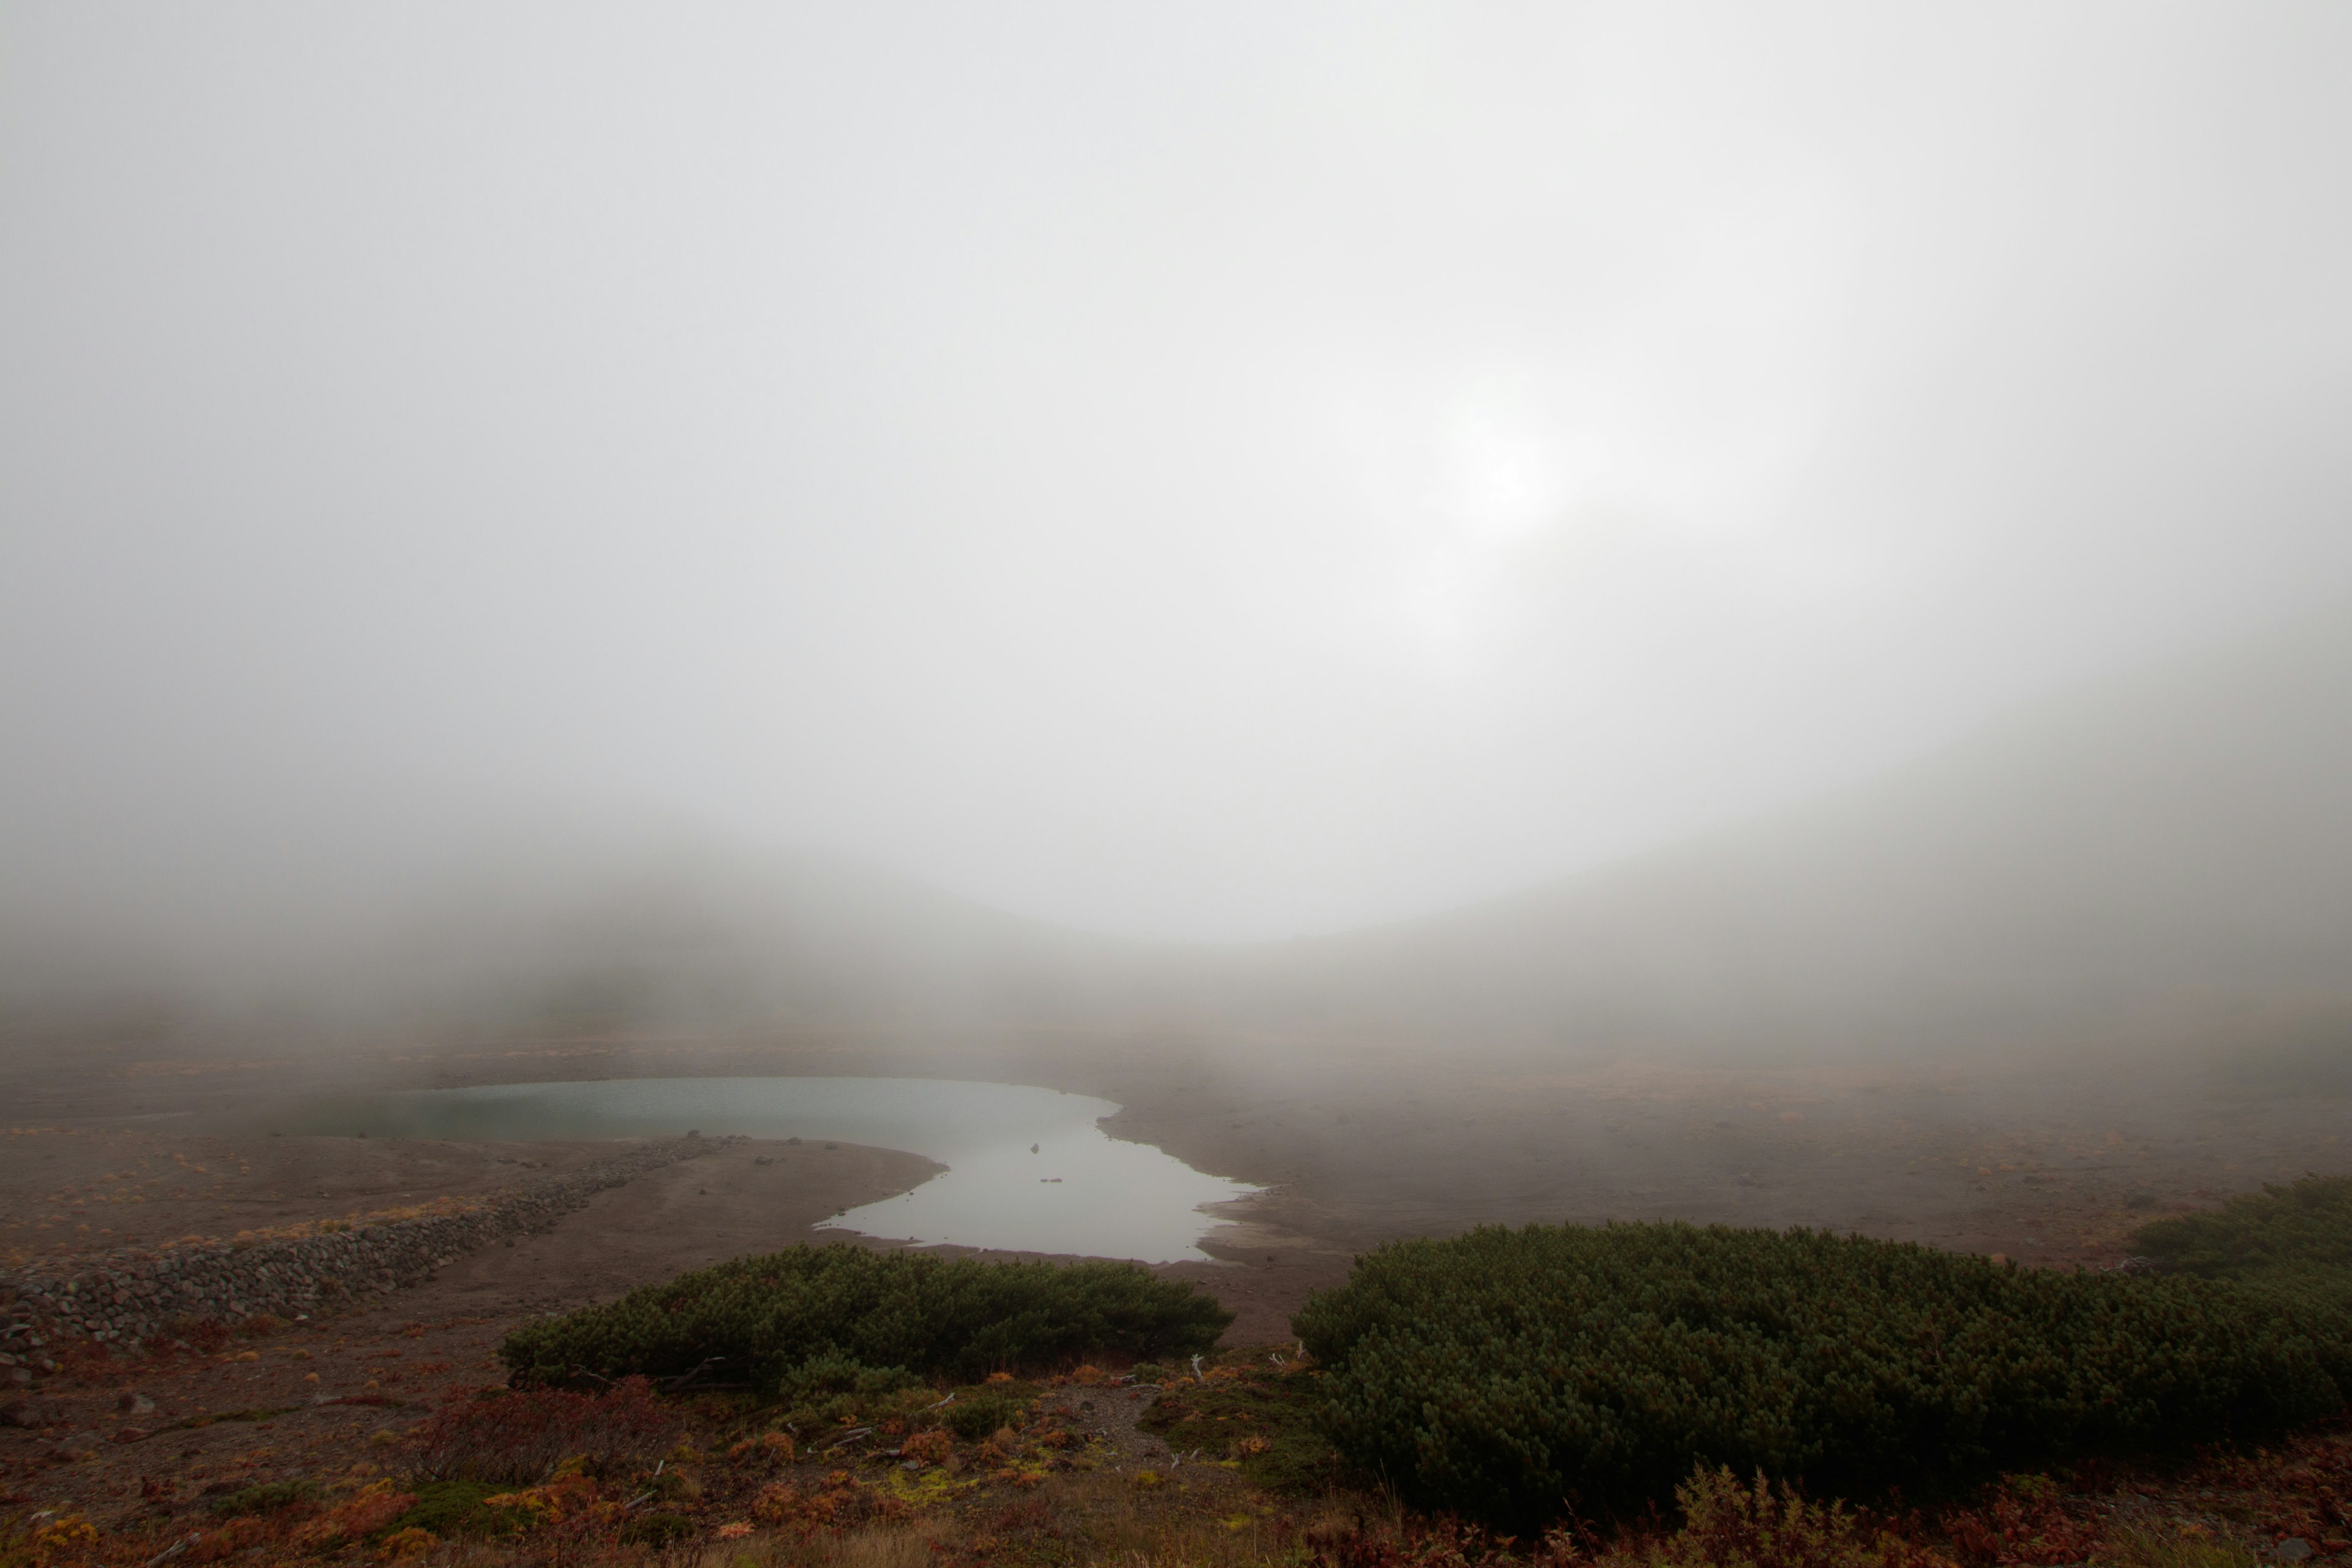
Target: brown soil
93, 1454
66, 1191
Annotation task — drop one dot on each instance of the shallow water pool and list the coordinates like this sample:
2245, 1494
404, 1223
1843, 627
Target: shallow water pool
1028, 1169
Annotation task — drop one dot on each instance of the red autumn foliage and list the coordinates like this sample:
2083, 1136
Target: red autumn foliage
354, 1518
933, 1447
840, 1502
2015, 1528
516, 1438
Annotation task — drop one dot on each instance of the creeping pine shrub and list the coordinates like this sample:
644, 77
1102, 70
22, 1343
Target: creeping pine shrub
658, 1528
763, 1319
515, 1437
266, 1498
1507, 1373
980, 1415
455, 1508
2298, 1235
831, 1373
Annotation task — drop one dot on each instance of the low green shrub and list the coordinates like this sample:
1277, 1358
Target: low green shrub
974, 1417
456, 1508
1270, 1422
811, 1311
267, 1496
657, 1529
825, 1375
1507, 1373
2299, 1234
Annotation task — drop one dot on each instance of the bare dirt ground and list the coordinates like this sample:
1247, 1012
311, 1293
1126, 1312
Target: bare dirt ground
129, 1438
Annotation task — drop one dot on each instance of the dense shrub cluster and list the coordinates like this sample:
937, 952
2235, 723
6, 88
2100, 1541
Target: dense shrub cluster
1507, 1373
977, 1416
2300, 1234
763, 1319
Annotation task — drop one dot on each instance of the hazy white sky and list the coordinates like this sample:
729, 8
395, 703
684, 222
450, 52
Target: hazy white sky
1215, 471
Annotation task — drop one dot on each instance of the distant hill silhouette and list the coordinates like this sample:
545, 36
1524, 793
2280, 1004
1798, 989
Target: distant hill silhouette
2181, 839
2173, 849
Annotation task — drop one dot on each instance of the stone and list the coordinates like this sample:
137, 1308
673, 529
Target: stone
2293, 1549
271, 1276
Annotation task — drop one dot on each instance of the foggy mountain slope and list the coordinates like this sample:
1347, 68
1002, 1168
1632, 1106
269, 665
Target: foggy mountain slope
584, 931
705, 934
2176, 843
2183, 837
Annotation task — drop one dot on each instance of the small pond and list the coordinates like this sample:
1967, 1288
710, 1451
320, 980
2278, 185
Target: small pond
1027, 1169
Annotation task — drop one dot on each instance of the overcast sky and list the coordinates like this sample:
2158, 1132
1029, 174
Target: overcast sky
1211, 470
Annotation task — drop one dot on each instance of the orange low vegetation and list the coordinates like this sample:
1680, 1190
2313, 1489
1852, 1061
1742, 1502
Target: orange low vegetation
625, 1479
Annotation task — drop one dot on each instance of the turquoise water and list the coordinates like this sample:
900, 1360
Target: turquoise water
1027, 1169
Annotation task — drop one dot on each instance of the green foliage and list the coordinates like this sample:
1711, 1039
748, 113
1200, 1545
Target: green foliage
763, 1319
830, 1373
1271, 1424
2292, 1234
657, 1529
975, 1415
455, 1508
1506, 1374
266, 1498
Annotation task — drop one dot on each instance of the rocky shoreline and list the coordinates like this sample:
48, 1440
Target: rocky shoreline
127, 1298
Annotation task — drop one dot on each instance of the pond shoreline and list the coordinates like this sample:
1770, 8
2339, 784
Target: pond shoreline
1027, 1169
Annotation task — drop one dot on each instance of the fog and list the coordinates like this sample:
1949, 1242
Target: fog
1075, 512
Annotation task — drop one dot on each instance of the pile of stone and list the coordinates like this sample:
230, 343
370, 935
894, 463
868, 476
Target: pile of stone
132, 1297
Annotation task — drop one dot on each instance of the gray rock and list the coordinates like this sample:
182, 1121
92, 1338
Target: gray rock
278, 1278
